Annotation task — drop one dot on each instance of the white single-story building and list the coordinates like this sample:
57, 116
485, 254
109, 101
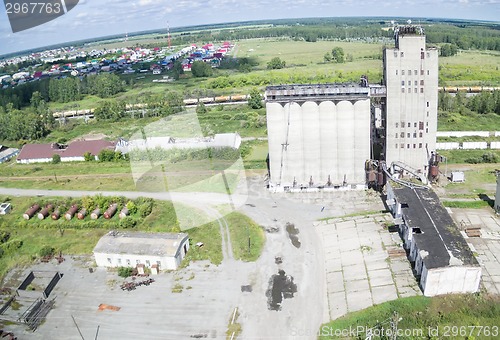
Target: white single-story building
129, 249
73, 152
442, 259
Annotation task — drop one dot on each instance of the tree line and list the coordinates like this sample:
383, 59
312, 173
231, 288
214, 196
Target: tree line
62, 90
482, 103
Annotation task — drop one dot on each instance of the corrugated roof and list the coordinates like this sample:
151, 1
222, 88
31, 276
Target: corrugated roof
140, 243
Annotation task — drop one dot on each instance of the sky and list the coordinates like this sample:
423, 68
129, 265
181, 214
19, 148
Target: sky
96, 18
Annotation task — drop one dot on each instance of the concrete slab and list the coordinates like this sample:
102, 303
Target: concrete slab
380, 277
335, 282
398, 266
353, 257
355, 272
359, 300
338, 305
384, 293
333, 265
358, 286
408, 291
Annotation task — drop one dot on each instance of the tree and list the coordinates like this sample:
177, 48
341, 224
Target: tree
448, 50
56, 159
255, 100
327, 57
201, 108
201, 69
88, 157
276, 63
338, 55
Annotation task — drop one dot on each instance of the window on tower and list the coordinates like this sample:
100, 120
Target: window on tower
402, 54
421, 72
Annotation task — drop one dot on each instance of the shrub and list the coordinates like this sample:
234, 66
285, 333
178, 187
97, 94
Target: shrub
88, 157
127, 222
145, 209
125, 271
4, 236
46, 251
11, 246
56, 159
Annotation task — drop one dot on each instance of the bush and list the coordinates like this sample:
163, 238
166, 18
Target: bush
88, 157
11, 246
4, 236
276, 63
128, 222
46, 251
145, 208
56, 159
125, 271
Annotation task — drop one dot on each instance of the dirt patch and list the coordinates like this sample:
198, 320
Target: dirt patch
292, 232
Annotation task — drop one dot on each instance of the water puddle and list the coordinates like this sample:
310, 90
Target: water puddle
292, 232
281, 287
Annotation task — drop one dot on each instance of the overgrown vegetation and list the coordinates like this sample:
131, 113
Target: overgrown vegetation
421, 315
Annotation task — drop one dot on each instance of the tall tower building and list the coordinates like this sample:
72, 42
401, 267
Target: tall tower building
411, 79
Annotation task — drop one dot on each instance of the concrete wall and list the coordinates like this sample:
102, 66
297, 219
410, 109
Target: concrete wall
412, 93
318, 140
450, 280
462, 133
448, 146
474, 145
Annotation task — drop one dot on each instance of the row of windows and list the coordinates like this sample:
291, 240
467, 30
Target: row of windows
403, 54
415, 72
409, 90
408, 146
408, 134
420, 124
415, 82
128, 263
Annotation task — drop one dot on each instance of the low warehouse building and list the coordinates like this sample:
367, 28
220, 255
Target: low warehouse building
441, 257
129, 249
75, 151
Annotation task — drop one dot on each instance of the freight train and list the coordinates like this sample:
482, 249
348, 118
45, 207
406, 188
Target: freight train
188, 102
468, 89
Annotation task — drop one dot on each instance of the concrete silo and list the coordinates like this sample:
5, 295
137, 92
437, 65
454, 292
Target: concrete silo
319, 136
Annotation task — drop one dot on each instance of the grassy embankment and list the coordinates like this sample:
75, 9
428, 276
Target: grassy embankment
424, 318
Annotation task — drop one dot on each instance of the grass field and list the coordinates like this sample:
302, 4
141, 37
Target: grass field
454, 121
423, 318
75, 237
470, 68
247, 238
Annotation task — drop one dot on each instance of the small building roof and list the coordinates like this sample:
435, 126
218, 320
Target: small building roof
74, 149
440, 238
141, 243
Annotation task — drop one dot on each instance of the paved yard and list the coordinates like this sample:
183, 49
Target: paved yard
486, 247
359, 270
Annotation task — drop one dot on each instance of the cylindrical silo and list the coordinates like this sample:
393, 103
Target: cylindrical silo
311, 140
328, 140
